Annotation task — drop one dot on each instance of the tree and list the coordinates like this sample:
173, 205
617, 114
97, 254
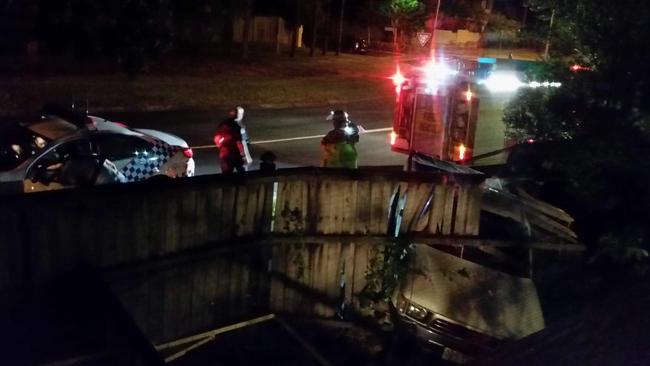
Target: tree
501, 24
468, 9
599, 121
400, 12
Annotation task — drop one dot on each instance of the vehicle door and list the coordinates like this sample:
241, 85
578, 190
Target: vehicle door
132, 155
68, 164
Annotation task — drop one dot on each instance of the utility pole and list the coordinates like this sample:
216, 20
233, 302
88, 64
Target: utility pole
338, 48
433, 31
548, 37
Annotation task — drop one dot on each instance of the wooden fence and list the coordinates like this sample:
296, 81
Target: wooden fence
190, 254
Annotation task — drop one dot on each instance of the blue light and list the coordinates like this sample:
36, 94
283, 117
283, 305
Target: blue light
487, 60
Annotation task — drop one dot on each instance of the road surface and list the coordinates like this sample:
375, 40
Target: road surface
294, 134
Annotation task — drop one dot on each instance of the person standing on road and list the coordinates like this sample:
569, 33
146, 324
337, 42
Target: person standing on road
339, 145
238, 114
230, 144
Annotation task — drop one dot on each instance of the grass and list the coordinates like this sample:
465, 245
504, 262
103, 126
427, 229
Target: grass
183, 84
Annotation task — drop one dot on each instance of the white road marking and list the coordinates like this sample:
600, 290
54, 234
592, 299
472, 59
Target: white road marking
260, 142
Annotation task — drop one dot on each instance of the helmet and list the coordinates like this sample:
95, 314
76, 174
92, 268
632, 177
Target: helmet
237, 113
338, 115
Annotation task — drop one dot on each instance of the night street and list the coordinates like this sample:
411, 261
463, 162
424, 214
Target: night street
324, 182
294, 134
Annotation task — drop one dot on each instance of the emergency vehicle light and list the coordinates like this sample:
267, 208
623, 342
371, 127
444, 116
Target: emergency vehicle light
502, 82
577, 67
398, 79
461, 152
393, 137
436, 73
469, 94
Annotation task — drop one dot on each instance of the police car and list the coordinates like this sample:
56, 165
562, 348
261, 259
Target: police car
67, 149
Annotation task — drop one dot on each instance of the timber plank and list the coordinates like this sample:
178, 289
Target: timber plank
376, 206
268, 206
436, 217
276, 291
307, 304
387, 192
460, 225
417, 195
241, 210
290, 296
200, 306
227, 226
214, 215
170, 243
202, 222
450, 209
347, 266
283, 208
347, 210
360, 262
234, 286
188, 219
337, 208
363, 207
141, 243
252, 209
332, 289
324, 207
320, 278
474, 211
312, 216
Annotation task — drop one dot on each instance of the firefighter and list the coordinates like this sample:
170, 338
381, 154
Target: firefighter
230, 144
339, 145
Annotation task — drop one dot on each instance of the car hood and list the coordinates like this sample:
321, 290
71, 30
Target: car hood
495, 303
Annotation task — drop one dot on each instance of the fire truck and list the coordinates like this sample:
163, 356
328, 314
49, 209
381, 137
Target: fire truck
435, 112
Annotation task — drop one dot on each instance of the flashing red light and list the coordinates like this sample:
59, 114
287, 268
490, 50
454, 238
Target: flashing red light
576, 68
469, 94
462, 150
398, 79
188, 152
530, 141
218, 140
393, 138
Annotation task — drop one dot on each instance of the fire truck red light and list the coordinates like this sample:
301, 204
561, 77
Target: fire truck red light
393, 138
469, 94
461, 152
398, 79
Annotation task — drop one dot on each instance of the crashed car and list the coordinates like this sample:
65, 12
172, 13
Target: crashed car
66, 149
464, 308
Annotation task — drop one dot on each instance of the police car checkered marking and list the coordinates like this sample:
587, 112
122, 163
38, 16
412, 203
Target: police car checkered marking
146, 165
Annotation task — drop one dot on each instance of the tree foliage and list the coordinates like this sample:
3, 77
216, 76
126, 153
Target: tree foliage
465, 9
597, 124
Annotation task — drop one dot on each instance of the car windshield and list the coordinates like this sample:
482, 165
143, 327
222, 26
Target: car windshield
17, 144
